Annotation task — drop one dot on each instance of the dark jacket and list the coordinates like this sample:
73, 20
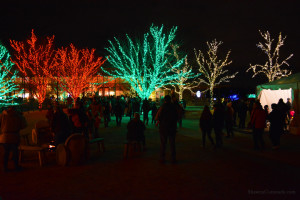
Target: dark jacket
11, 123
167, 117
205, 121
136, 130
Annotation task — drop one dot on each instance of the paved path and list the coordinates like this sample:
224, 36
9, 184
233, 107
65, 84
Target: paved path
234, 172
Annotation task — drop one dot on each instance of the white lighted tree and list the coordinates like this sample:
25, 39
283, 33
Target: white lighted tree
185, 75
144, 66
273, 68
212, 68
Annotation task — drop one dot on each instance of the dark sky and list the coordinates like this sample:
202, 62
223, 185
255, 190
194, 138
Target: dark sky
91, 23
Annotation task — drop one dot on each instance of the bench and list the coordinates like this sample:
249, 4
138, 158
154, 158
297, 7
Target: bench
99, 142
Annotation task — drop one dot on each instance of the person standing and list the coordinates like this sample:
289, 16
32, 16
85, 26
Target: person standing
205, 124
258, 123
242, 113
229, 112
146, 109
11, 122
136, 130
61, 126
180, 110
106, 112
218, 123
276, 119
118, 112
166, 118
153, 111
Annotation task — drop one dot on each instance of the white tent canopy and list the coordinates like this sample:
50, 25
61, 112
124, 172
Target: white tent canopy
268, 97
271, 92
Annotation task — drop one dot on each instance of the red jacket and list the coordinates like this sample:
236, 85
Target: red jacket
259, 118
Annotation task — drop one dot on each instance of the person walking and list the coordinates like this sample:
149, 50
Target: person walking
205, 124
166, 118
11, 122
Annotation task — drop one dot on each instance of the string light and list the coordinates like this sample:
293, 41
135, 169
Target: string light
184, 76
32, 60
76, 69
212, 68
144, 66
7, 78
273, 68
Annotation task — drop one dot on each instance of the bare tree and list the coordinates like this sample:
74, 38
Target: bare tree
273, 68
212, 68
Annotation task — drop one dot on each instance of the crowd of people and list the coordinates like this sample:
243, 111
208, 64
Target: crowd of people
226, 114
87, 115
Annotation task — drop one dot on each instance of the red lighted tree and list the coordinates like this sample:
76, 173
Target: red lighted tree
33, 60
75, 69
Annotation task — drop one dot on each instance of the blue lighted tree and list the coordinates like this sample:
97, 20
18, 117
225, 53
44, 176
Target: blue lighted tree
7, 78
144, 66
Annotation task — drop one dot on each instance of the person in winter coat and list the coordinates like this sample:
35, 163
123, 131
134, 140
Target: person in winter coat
11, 122
229, 119
258, 123
205, 124
166, 118
146, 109
218, 123
119, 112
277, 123
60, 126
136, 130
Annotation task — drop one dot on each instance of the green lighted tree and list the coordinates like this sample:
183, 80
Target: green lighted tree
144, 66
7, 77
212, 67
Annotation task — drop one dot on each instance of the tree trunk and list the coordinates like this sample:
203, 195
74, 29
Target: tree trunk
180, 93
211, 90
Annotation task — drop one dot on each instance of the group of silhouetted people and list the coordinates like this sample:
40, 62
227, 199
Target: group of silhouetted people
85, 118
224, 117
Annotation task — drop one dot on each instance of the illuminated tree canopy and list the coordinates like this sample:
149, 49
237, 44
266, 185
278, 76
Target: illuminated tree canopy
75, 69
212, 68
32, 60
185, 75
144, 66
273, 68
7, 77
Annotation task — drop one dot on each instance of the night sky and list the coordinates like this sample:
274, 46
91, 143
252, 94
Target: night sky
91, 23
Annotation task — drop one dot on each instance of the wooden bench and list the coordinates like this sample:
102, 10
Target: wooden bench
39, 149
100, 143
132, 148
